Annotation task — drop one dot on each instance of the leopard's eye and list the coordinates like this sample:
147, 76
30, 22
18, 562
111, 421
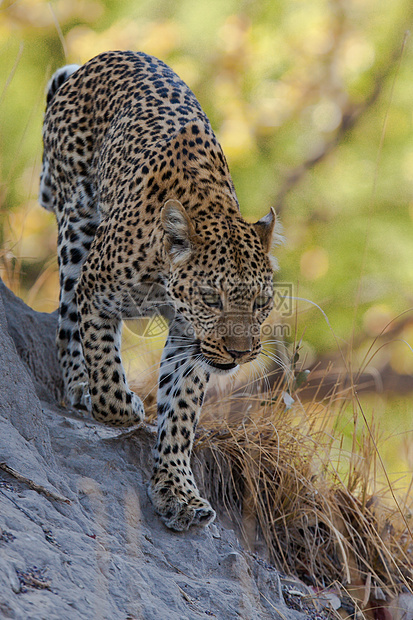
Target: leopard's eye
212, 299
262, 301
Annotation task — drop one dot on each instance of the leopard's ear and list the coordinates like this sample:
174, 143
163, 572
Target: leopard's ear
180, 233
269, 230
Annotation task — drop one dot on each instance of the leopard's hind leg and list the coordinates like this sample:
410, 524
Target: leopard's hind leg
71, 195
77, 229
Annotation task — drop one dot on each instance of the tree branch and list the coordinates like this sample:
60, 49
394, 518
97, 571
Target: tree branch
351, 116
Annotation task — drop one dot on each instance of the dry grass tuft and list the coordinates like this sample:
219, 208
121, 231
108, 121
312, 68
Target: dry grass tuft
277, 472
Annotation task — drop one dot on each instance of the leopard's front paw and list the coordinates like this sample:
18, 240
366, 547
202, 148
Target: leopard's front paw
125, 409
179, 509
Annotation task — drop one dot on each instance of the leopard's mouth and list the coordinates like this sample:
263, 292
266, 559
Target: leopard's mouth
229, 366
212, 365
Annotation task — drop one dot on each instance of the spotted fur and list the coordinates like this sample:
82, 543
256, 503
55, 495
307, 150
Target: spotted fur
149, 221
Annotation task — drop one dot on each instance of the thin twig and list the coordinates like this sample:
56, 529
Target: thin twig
34, 485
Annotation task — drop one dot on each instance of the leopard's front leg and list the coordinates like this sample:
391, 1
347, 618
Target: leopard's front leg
100, 330
182, 384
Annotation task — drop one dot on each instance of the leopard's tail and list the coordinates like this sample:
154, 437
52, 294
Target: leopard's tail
57, 79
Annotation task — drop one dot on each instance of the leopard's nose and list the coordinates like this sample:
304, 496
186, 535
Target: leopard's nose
237, 354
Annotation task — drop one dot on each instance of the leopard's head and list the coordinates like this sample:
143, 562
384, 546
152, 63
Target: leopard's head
221, 281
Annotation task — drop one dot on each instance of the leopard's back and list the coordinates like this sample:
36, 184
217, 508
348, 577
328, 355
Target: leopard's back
106, 119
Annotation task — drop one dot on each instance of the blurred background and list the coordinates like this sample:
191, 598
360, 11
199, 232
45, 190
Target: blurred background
312, 101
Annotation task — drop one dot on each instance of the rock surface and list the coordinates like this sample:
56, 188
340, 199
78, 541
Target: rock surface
106, 555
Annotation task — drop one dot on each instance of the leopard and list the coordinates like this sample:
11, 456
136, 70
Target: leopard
149, 222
